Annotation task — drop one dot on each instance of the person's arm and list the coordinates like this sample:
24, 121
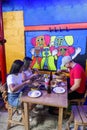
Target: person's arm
15, 88
76, 85
24, 76
28, 75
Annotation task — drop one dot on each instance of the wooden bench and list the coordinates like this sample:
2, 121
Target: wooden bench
80, 116
75, 102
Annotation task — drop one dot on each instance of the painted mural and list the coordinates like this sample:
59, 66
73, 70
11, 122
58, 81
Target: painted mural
48, 50
45, 47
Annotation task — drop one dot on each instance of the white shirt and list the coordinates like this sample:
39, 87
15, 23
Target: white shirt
14, 79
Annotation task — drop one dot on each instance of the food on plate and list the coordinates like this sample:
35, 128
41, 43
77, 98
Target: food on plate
35, 84
34, 93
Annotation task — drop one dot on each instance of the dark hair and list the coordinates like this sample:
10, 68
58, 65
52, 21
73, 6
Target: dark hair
26, 61
16, 66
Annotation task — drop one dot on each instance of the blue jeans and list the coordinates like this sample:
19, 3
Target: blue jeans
13, 99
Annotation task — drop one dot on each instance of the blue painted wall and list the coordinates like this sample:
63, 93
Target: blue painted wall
49, 11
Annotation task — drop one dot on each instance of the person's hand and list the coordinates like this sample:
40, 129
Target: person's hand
70, 91
35, 70
33, 75
27, 81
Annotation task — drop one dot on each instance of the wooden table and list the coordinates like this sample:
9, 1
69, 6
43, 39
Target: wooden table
53, 99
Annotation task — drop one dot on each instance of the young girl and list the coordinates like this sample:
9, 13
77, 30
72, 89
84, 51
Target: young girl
15, 83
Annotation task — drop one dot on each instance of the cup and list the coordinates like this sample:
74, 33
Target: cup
53, 83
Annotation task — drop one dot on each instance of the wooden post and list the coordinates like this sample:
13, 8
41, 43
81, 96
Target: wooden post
2, 48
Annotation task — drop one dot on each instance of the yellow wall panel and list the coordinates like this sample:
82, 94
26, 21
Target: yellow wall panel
14, 35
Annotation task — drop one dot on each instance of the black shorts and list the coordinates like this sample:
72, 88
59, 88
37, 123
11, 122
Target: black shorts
75, 95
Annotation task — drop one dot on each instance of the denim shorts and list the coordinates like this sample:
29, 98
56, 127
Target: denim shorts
13, 99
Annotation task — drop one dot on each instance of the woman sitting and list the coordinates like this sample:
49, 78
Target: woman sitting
15, 83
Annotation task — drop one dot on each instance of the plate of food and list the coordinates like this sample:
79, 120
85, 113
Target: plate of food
58, 90
34, 93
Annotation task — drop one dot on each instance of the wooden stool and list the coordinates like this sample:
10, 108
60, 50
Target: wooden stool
80, 116
11, 112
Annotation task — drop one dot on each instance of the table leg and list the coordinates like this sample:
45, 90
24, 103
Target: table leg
60, 118
26, 115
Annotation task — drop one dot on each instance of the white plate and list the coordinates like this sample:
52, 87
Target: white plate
34, 93
59, 90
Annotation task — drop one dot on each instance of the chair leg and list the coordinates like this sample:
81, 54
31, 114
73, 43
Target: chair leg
84, 128
69, 121
10, 112
23, 117
75, 126
12, 120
